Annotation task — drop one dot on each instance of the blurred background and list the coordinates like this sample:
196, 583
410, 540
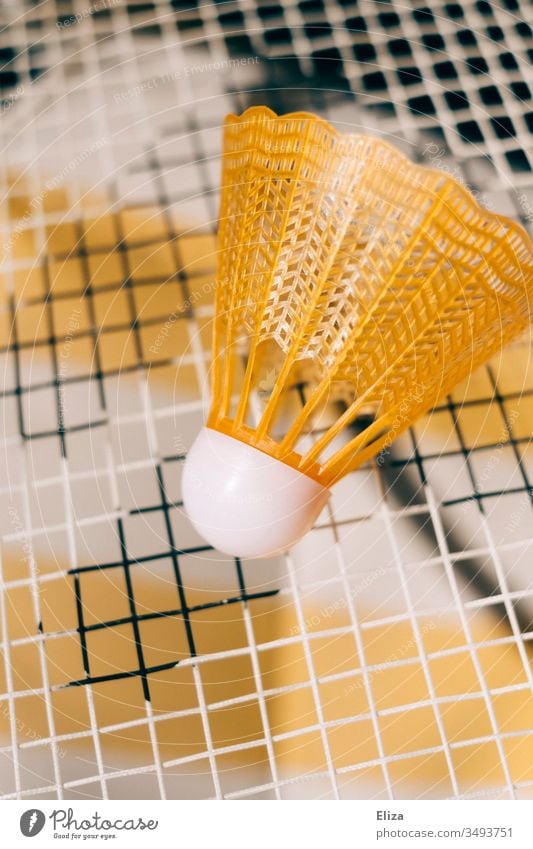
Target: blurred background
388, 655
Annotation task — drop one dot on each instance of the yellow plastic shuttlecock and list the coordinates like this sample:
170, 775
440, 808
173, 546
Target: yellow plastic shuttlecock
343, 269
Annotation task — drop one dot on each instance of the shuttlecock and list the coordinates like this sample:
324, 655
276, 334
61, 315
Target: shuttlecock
344, 269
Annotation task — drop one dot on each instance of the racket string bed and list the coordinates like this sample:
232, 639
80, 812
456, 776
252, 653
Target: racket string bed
134, 659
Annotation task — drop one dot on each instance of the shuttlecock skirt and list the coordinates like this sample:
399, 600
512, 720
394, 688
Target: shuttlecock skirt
346, 275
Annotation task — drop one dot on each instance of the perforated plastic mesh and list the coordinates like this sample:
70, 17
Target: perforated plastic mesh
389, 654
386, 276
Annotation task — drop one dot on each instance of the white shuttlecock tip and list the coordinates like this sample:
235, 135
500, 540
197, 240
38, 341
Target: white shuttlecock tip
244, 502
